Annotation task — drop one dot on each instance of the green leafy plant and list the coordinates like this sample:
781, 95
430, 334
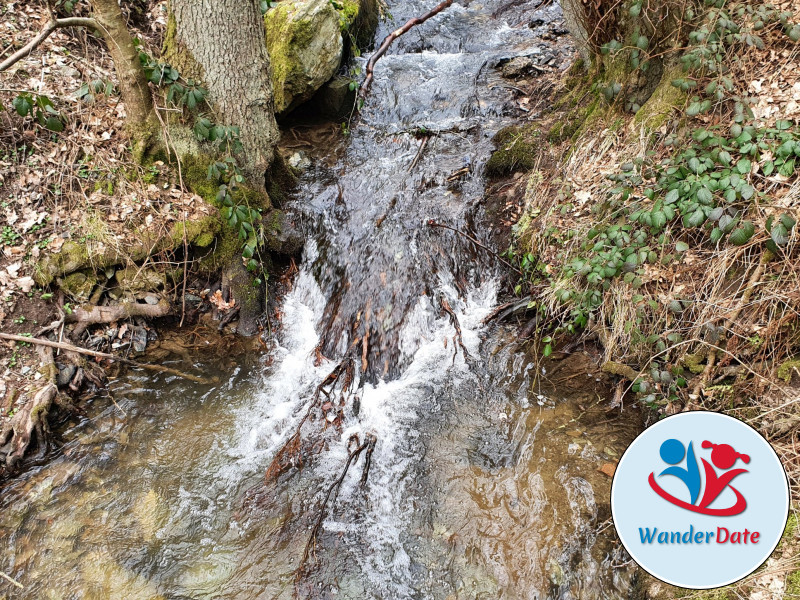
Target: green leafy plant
9, 236
40, 109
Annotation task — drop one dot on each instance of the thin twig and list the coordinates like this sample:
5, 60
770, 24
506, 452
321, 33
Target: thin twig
12, 580
432, 223
419, 153
362, 94
127, 361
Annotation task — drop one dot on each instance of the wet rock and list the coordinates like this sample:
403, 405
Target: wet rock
79, 285
282, 235
359, 19
192, 299
299, 160
149, 513
139, 339
304, 40
336, 99
519, 67
65, 374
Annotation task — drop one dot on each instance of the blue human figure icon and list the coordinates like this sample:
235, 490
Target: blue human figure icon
672, 453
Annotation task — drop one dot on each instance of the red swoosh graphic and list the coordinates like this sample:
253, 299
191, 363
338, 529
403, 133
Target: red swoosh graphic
737, 508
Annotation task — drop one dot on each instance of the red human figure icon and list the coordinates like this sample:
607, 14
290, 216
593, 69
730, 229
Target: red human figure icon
724, 457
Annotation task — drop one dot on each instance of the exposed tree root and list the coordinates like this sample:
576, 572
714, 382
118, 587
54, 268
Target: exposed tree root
362, 94
31, 418
292, 453
354, 448
457, 338
88, 314
127, 361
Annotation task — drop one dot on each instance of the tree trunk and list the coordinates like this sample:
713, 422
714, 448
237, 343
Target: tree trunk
132, 81
225, 42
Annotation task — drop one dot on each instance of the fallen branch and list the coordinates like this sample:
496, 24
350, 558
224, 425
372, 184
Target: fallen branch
290, 454
89, 314
127, 361
51, 26
432, 223
362, 94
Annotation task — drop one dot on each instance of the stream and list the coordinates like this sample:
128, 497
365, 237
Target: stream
484, 481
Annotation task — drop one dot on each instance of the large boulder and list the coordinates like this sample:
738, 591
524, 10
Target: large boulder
359, 19
304, 40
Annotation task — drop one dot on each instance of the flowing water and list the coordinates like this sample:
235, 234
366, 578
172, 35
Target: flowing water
484, 479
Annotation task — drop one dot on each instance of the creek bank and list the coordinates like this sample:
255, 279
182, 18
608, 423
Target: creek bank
681, 315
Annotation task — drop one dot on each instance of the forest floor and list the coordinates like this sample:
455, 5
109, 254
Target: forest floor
70, 188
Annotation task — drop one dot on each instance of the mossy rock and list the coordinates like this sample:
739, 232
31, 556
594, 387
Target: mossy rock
695, 362
79, 285
91, 254
358, 20
304, 41
516, 150
565, 129
136, 280
619, 369
788, 368
71, 257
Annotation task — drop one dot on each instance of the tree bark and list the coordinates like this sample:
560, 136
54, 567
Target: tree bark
226, 42
132, 81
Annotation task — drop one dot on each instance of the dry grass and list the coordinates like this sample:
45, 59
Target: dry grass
739, 317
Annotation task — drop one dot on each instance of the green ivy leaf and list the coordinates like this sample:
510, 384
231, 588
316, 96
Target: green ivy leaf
681, 247
23, 105
694, 219
671, 197
788, 221
779, 234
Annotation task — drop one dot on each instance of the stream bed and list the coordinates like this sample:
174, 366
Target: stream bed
485, 479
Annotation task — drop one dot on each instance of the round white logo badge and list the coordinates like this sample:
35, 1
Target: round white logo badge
700, 500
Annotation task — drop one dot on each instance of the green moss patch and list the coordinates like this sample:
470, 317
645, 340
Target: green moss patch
516, 150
